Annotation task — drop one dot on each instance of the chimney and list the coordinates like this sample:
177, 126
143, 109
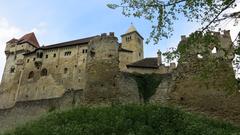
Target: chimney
159, 58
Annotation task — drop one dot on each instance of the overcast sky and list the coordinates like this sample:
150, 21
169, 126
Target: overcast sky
56, 21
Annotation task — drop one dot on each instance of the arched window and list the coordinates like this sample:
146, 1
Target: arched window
41, 55
12, 69
31, 75
65, 70
44, 72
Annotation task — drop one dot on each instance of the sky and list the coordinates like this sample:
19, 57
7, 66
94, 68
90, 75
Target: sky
55, 21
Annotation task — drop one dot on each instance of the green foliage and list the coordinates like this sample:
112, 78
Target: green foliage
52, 108
125, 120
196, 41
163, 13
147, 84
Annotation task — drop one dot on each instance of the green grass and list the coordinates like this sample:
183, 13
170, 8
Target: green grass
125, 120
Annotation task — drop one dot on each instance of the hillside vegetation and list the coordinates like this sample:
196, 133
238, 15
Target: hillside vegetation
125, 120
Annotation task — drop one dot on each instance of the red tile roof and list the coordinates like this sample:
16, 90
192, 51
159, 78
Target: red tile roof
82, 41
29, 38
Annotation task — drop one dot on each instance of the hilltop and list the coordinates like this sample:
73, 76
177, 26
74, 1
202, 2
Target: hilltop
121, 120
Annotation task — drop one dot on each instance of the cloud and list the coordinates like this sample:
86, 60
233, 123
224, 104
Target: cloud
40, 29
7, 31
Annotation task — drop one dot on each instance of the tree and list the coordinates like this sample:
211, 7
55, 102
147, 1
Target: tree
163, 13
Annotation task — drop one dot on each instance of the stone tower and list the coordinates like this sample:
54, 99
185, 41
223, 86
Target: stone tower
15, 48
102, 69
133, 41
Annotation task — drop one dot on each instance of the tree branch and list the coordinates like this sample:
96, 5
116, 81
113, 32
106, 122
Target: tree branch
214, 19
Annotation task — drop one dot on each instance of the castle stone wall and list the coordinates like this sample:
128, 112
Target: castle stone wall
124, 59
161, 70
102, 70
26, 111
63, 72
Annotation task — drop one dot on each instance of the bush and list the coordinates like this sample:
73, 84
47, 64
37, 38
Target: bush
125, 120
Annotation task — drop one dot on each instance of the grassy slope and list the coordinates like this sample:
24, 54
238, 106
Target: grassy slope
125, 120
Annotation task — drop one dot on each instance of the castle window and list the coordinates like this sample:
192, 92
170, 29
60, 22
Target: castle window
31, 75
44, 72
139, 54
39, 55
67, 53
65, 70
84, 51
83, 60
128, 38
54, 55
28, 60
92, 53
46, 56
34, 59
12, 69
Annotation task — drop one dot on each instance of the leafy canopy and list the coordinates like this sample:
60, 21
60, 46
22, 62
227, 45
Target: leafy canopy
163, 13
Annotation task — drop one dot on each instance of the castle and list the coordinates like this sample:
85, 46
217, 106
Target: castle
35, 73
97, 69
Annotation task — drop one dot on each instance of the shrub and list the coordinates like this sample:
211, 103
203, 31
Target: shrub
125, 120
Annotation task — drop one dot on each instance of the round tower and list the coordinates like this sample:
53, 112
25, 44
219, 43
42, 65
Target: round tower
102, 69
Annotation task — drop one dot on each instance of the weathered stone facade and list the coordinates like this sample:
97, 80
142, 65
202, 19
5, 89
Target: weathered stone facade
36, 79
91, 64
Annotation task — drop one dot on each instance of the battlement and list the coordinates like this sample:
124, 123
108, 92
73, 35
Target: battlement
223, 34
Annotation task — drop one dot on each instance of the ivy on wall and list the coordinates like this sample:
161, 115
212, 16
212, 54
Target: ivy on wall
147, 84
